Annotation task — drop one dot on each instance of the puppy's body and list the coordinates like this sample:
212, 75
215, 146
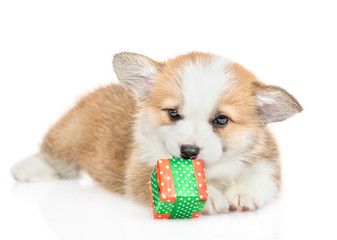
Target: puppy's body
117, 133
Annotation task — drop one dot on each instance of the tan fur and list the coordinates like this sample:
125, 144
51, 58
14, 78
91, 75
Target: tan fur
239, 104
167, 92
97, 134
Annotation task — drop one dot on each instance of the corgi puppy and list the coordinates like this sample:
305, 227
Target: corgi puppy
198, 106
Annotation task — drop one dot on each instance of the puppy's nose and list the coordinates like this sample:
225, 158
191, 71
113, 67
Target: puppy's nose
189, 151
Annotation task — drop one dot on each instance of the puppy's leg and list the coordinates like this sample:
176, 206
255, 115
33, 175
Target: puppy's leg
260, 186
216, 202
33, 169
43, 167
136, 184
58, 154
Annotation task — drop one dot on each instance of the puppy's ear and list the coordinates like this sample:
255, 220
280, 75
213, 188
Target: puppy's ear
275, 104
136, 73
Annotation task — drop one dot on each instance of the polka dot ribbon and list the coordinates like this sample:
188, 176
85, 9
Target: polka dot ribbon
178, 188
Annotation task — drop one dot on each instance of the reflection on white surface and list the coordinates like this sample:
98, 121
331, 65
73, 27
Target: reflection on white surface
82, 210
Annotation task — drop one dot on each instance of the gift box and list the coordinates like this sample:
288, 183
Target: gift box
178, 188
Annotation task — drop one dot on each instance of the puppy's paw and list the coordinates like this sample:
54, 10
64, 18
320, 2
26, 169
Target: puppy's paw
216, 202
253, 191
239, 200
33, 169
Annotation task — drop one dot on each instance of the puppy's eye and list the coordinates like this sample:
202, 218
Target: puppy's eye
173, 114
220, 121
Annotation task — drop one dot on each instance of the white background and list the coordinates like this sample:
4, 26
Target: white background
52, 52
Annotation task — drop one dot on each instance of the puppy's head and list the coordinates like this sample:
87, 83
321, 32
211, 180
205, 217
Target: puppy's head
201, 105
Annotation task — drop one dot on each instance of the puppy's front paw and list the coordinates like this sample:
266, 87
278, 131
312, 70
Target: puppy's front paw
252, 192
239, 200
216, 202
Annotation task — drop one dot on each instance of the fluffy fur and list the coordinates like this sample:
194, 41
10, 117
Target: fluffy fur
117, 133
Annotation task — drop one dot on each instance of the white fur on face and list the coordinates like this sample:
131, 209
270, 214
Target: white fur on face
202, 86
